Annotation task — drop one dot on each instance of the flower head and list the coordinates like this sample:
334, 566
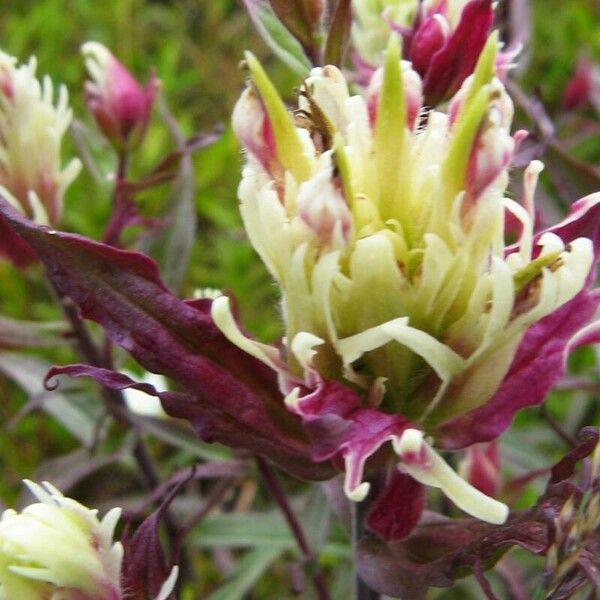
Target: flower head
58, 549
31, 130
119, 104
407, 316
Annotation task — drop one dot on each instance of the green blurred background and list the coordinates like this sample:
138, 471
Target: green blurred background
195, 47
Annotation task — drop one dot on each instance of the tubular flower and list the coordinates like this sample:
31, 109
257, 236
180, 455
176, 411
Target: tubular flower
404, 311
58, 549
31, 131
442, 38
119, 104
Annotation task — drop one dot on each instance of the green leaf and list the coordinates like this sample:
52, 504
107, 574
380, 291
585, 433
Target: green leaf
277, 37
389, 127
28, 372
469, 118
255, 530
290, 150
174, 434
253, 564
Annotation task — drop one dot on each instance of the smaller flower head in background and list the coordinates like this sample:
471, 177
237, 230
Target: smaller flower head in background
58, 548
31, 132
119, 104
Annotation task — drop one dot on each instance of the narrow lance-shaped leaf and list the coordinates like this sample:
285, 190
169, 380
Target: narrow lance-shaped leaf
469, 119
297, 18
389, 127
339, 33
231, 397
289, 147
276, 36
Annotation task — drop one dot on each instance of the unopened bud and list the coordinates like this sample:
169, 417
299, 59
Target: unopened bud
413, 93
252, 127
493, 147
321, 205
119, 104
427, 40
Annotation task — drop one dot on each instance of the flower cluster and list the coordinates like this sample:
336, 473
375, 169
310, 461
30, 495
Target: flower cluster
384, 228
57, 548
31, 130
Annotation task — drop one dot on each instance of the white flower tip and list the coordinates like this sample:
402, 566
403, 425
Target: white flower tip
411, 441
303, 346
95, 49
169, 584
497, 512
359, 493
292, 399
535, 167
209, 293
220, 307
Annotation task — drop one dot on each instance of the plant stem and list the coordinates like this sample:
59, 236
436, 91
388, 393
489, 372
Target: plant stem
121, 205
567, 438
361, 590
270, 481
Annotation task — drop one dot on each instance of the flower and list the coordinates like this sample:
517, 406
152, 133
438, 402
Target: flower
583, 87
58, 548
406, 314
442, 39
31, 132
119, 104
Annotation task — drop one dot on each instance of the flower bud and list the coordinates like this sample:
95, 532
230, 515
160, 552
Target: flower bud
481, 467
583, 87
323, 208
427, 40
119, 104
252, 127
493, 146
413, 93
57, 548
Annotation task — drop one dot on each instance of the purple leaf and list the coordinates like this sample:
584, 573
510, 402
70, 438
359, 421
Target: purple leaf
441, 550
229, 396
398, 508
298, 19
563, 469
145, 567
339, 33
438, 553
14, 248
455, 61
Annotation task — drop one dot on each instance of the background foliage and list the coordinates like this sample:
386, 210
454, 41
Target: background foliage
196, 46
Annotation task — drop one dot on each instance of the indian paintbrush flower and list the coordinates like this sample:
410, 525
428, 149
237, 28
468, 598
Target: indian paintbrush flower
404, 310
119, 104
57, 549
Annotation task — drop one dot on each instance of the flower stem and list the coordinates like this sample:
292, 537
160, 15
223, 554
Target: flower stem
361, 590
271, 483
